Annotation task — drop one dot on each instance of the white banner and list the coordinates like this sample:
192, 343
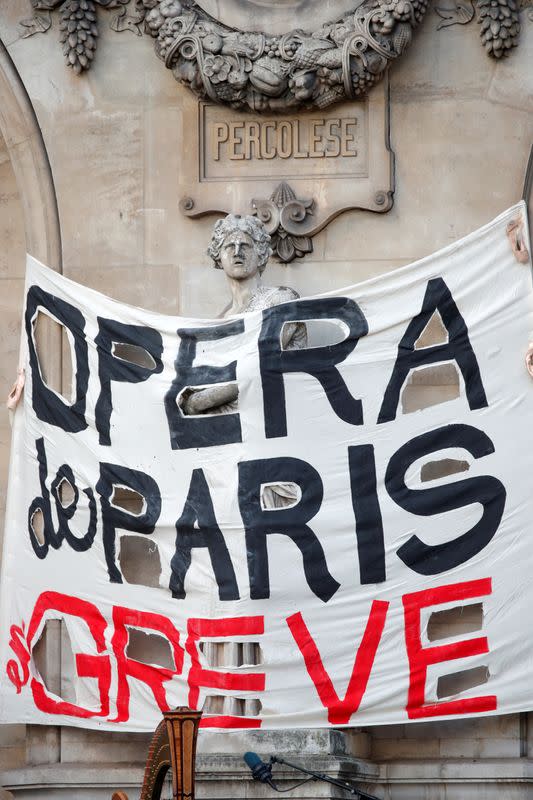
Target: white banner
309, 534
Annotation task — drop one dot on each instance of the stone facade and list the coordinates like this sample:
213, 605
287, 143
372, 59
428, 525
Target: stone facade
90, 167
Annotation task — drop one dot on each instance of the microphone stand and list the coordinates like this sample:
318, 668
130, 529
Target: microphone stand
319, 776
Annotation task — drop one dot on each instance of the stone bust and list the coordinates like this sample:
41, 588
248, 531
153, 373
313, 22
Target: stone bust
241, 247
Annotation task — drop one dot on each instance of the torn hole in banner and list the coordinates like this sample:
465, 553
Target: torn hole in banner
433, 334
37, 525
252, 654
133, 354
462, 681
140, 561
68, 376
209, 400
433, 470
449, 468
70, 683
149, 648
279, 495
252, 707
66, 493
128, 500
455, 622
232, 654
46, 332
430, 386
44, 655
313, 333
216, 705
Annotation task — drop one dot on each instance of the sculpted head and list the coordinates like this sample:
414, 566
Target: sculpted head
240, 246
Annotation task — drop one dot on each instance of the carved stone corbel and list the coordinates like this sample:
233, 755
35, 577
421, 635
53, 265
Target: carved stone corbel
286, 219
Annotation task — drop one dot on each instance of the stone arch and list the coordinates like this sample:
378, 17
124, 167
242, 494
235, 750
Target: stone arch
22, 134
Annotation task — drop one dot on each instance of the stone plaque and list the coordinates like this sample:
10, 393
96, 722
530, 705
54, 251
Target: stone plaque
328, 145
338, 158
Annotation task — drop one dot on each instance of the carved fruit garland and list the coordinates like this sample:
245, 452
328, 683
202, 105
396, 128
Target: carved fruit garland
265, 73
340, 60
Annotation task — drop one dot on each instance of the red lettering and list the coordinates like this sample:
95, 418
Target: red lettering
18, 670
216, 679
87, 666
421, 657
340, 711
154, 677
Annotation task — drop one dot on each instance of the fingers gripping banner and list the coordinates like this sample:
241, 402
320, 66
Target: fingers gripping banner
314, 531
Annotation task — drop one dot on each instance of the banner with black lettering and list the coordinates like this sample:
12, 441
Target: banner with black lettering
342, 536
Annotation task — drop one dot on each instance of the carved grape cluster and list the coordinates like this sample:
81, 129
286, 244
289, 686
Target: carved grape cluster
500, 25
78, 23
167, 35
78, 33
390, 14
272, 48
159, 13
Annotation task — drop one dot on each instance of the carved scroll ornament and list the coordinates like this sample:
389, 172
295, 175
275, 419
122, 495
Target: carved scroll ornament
285, 218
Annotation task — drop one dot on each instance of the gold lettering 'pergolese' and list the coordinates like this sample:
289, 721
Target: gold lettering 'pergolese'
268, 139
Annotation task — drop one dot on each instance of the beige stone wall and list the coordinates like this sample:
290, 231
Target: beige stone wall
461, 128
12, 257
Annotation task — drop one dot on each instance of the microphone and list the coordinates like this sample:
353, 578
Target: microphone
260, 770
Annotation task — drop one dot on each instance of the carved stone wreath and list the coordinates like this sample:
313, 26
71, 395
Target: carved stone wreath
249, 70
265, 72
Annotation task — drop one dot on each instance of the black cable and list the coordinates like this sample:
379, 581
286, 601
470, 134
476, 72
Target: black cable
319, 776
296, 785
